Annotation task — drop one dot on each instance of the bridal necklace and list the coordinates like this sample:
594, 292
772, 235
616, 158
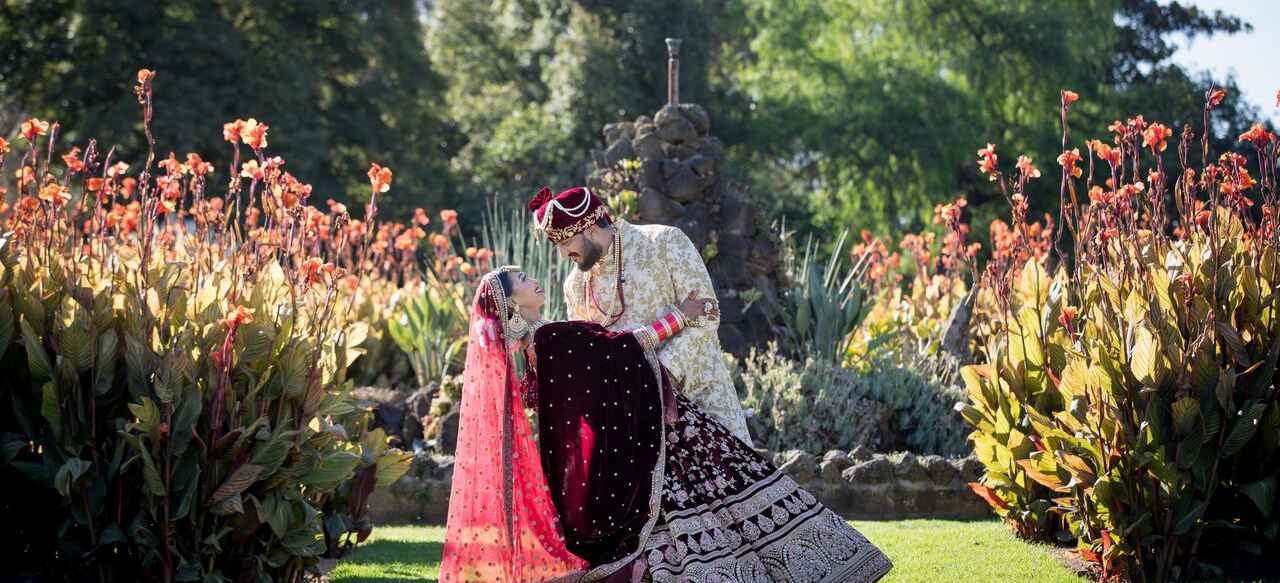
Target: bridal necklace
622, 278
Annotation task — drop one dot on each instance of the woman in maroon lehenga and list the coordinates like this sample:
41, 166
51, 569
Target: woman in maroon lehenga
627, 478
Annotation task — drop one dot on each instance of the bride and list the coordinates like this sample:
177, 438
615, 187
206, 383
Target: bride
626, 479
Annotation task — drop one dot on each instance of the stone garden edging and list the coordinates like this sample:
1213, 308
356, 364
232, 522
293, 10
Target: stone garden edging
858, 485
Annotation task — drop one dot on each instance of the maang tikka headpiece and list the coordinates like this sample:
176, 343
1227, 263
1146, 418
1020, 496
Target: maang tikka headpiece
514, 326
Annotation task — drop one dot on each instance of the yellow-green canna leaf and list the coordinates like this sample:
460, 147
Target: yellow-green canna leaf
239, 481
1186, 411
37, 359
1146, 358
391, 466
332, 470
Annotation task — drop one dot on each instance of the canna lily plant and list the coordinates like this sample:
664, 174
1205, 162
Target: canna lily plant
1130, 402
175, 404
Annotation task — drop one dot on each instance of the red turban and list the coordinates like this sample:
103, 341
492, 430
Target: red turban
566, 214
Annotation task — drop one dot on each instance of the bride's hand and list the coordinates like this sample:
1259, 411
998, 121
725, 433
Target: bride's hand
694, 306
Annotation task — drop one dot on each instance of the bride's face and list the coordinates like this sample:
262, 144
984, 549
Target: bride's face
526, 292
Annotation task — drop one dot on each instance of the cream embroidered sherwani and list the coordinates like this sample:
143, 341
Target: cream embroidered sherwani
662, 267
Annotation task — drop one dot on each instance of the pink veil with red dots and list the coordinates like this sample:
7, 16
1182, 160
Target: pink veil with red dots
502, 524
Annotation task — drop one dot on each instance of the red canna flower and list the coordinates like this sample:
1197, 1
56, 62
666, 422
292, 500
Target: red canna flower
145, 75
1024, 166
1069, 97
987, 161
379, 178
1155, 137
1258, 136
1068, 161
337, 208
25, 175
4, 147
237, 316
1105, 152
1216, 97
94, 184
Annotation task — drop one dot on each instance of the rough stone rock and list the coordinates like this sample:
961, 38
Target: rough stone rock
449, 434
654, 207
619, 151
860, 453
941, 472
697, 115
667, 115
648, 146
416, 405
970, 468
678, 131
909, 468
595, 179
712, 148
800, 465
834, 464
388, 410
619, 130
765, 256
732, 338
730, 308
683, 151
597, 158
736, 216
684, 184
876, 470
651, 175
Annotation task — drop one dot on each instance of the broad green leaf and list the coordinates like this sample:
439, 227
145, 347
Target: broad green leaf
51, 410
37, 359
392, 466
1245, 426
1185, 412
332, 470
1262, 493
239, 481
69, 474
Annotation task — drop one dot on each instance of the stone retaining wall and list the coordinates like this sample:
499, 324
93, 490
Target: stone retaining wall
857, 485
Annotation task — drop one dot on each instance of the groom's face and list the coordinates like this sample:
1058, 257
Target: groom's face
582, 249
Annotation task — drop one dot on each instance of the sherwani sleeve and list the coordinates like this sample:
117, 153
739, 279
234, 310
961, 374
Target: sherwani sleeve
686, 273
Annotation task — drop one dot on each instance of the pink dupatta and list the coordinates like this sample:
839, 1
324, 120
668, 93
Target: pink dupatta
502, 525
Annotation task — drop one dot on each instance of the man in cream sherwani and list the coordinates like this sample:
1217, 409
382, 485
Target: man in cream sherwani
659, 267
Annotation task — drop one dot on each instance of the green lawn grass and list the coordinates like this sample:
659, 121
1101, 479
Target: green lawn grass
923, 551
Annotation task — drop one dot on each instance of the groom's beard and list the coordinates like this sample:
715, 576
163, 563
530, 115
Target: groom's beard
591, 254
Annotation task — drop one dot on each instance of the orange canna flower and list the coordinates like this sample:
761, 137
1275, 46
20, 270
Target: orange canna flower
237, 316
1024, 166
55, 193
253, 134
1155, 136
1068, 160
337, 208
32, 128
73, 161
420, 217
171, 164
1258, 136
25, 175
4, 147
1068, 315
450, 218
440, 242
1215, 98
231, 131
127, 186
197, 166
987, 161
1069, 97
251, 169
145, 75
94, 184
117, 169
379, 178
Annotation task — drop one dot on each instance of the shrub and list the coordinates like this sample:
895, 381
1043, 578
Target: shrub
824, 302
810, 405
1131, 397
921, 392
174, 400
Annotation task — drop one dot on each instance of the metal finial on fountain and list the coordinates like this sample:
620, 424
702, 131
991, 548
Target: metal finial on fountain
673, 71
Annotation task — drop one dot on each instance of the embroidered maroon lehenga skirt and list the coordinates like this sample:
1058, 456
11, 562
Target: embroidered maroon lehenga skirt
639, 474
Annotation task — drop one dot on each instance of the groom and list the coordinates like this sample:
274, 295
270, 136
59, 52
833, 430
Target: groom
629, 276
